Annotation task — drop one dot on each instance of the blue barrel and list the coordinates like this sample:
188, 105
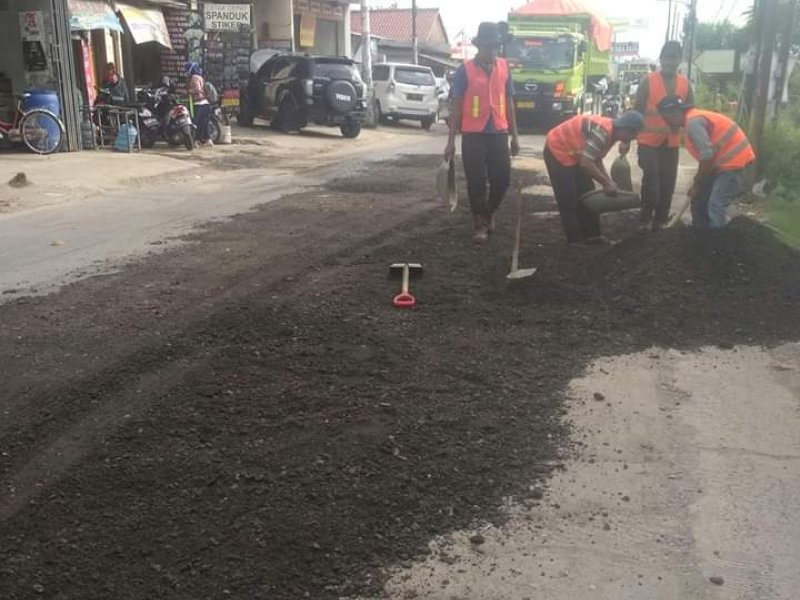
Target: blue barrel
46, 99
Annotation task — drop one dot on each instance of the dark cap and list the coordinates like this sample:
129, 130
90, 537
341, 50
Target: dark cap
673, 103
631, 120
488, 34
672, 48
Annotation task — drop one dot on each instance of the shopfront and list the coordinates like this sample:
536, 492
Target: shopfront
322, 27
36, 53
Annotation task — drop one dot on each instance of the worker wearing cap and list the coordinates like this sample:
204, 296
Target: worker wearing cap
725, 155
659, 146
483, 111
574, 153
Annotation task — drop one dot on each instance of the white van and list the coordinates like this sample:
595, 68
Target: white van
406, 92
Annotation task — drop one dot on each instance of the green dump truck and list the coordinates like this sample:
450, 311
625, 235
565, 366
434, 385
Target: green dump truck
556, 50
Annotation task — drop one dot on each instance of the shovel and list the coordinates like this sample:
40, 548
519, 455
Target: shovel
517, 273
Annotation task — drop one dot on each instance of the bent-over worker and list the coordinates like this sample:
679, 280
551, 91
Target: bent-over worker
725, 155
483, 111
574, 153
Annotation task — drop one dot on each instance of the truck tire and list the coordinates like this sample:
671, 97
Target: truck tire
351, 130
427, 123
245, 116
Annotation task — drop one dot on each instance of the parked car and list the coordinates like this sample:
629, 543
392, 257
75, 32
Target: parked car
406, 92
292, 90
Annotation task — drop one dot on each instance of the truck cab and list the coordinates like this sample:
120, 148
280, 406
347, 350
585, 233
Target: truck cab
548, 73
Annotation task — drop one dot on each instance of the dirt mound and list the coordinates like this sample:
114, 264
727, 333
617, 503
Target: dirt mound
746, 271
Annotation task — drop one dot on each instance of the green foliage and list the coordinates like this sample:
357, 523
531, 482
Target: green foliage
780, 157
722, 36
716, 93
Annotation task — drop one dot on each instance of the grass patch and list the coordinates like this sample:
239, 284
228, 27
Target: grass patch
785, 217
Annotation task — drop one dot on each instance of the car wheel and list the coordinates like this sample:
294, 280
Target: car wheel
351, 130
427, 123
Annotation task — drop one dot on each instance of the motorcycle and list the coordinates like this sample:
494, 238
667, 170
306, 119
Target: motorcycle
612, 106
216, 123
162, 117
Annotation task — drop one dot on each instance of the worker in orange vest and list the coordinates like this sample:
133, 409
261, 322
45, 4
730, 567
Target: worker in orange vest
659, 146
483, 111
726, 158
574, 153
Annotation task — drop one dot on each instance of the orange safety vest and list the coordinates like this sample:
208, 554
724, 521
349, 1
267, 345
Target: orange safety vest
732, 149
568, 141
485, 98
656, 131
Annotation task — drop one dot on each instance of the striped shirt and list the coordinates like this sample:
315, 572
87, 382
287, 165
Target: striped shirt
598, 141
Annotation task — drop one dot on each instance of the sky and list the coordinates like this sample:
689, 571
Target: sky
466, 14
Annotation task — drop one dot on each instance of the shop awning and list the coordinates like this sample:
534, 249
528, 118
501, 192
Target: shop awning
86, 15
146, 24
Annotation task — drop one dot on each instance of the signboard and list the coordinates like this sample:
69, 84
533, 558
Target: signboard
88, 71
146, 24
226, 17
86, 15
323, 8
626, 49
716, 62
308, 30
31, 25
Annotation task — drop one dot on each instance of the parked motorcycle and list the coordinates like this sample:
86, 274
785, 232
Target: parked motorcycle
162, 117
215, 124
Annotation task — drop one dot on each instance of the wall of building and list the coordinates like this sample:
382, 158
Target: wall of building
273, 23
11, 59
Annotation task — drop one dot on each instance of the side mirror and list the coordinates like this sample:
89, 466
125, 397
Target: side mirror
583, 48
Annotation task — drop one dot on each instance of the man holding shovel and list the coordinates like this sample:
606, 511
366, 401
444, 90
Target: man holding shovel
482, 98
658, 144
574, 153
725, 155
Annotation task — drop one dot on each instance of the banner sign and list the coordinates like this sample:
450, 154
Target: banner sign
226, 17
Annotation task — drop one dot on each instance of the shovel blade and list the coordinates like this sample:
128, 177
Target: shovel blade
521, 274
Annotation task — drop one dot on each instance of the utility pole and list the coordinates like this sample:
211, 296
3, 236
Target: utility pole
768, 26
690, 41
414, 39
789, 20
669, 22
366, 45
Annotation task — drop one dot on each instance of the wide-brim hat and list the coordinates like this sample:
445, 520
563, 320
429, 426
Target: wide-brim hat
488, 34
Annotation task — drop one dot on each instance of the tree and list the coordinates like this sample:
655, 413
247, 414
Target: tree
722, 36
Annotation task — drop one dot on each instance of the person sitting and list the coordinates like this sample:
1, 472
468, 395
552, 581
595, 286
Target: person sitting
114, 86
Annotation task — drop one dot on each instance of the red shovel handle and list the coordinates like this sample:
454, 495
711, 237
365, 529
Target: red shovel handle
404, 301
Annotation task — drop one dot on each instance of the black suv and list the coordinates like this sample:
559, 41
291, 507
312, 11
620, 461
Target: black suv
292, 90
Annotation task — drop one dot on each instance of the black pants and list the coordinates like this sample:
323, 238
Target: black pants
569, 184
487, 158
202, 115
660, 173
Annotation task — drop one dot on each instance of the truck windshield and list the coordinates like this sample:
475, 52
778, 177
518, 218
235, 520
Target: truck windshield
543, 53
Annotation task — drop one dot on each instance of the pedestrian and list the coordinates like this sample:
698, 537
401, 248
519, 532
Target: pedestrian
726, 158
574, 153
659, 147
482, 109
202, 107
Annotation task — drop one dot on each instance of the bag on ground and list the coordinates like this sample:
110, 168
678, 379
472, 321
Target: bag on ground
621, 174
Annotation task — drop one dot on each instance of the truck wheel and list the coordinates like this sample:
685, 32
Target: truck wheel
245, 116
427, 123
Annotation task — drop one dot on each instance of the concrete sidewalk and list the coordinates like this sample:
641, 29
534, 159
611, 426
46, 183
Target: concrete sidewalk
79, 176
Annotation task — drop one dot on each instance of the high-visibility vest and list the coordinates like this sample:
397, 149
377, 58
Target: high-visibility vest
656, 131
732, 149
486, 97
568, 141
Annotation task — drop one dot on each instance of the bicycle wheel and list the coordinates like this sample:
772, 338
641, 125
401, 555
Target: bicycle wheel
42, 131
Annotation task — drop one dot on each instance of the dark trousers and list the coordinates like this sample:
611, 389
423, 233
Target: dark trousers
569, 184
660, 173
487, 159
202, 115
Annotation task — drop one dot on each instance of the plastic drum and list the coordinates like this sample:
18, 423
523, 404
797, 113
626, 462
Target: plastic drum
46, 99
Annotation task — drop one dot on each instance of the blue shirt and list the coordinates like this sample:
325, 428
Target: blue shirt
458, 90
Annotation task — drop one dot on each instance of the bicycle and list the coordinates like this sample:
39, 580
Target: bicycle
38, 128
